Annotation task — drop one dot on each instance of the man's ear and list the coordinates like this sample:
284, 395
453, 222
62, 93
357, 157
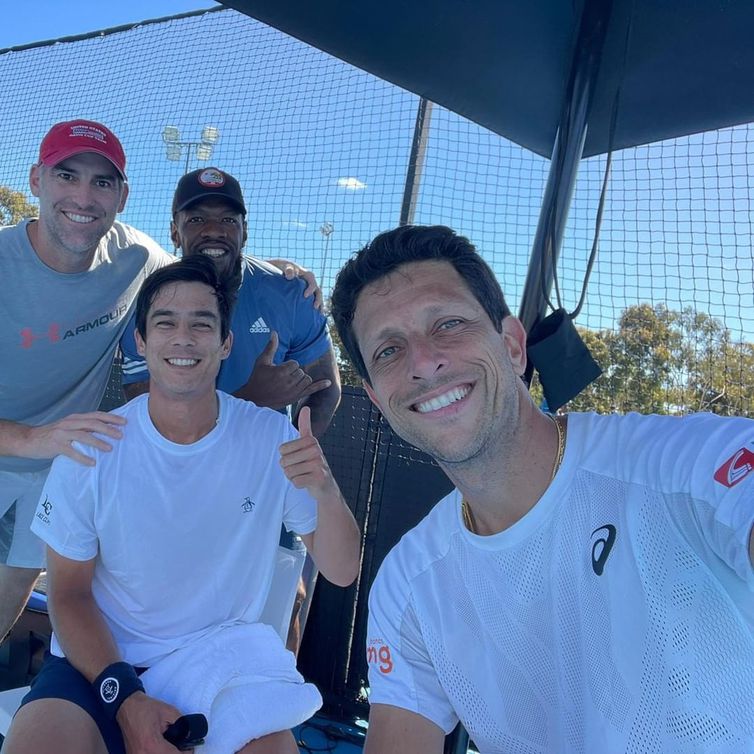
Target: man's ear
174, 237
514, 341
227, 345
245, 234
372, 395
140, 345
34, 179
123, 197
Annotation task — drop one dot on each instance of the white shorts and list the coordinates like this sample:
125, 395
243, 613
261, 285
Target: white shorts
19, 496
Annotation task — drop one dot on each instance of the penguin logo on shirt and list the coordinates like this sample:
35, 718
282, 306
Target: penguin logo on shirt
602, 547
248, 505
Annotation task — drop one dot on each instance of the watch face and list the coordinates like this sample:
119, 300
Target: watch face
109, 689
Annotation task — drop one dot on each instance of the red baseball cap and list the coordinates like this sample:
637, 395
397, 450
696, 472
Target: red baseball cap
72, 137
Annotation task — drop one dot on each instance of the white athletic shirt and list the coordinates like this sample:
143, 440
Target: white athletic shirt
184, 535
616, 616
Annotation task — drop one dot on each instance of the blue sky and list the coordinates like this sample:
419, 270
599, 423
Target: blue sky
38, 20
313, 140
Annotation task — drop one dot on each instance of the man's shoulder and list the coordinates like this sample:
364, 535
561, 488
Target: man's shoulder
266, 421
262, 276
122, 237
422, 546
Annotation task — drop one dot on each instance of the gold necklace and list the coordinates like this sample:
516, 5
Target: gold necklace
468, 519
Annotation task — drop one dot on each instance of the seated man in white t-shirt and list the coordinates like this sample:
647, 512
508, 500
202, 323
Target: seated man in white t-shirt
160, 556
588, 587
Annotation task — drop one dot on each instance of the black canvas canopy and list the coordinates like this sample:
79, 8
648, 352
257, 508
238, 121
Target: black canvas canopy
683, 66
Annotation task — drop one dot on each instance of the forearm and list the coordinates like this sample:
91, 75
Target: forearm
82, 632
336, 543
15, 439
323, 405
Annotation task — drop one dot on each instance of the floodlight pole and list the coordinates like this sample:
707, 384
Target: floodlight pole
202, 149
415, 162
566, 155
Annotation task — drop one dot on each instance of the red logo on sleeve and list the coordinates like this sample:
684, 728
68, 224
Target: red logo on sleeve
379, 654
736, 468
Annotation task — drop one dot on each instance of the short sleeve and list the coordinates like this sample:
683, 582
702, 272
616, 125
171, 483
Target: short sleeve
401, 672
310, 339
64, 518
134, 367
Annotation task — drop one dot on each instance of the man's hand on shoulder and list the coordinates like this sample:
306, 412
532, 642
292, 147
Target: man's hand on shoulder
142, 721
291, 270
57, 438
278, 385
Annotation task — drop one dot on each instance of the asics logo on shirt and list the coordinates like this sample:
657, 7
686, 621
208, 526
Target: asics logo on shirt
602, 546
736, 468
259, 326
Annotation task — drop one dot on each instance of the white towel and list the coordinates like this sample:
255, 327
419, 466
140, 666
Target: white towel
242, 678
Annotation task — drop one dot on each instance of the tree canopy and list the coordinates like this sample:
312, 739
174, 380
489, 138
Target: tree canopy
14, 206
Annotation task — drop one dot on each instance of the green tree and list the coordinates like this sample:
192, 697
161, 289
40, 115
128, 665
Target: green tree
665, 361
14, 206
348, 373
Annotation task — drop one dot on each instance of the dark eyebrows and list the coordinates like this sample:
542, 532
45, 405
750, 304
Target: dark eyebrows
201, 313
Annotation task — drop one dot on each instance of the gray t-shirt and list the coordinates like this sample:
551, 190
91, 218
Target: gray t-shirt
58, 332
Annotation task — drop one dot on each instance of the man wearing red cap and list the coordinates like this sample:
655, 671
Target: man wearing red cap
70, 281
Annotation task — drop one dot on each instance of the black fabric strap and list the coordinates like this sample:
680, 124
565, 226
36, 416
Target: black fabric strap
114, 685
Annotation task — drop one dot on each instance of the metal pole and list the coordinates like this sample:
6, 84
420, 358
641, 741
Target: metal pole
415, 162
567, 151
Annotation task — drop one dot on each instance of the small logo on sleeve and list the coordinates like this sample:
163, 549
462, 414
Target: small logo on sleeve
602, 547
736, 468
378, 654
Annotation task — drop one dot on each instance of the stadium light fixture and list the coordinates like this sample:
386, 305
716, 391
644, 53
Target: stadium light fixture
202, 150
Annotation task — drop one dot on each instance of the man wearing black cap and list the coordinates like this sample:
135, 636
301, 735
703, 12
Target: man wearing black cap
282, 353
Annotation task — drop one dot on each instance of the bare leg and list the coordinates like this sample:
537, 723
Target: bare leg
15, 587
53, 726
275, 743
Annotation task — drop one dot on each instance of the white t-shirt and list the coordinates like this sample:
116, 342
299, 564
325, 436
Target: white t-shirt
616, 616
184, 535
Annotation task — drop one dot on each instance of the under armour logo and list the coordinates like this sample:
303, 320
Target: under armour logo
602, 547
28, 336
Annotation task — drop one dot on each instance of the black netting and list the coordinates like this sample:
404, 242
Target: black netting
321, 150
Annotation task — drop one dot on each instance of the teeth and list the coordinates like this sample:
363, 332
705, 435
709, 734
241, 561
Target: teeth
79, 218
214, 253
183, 362
443, 400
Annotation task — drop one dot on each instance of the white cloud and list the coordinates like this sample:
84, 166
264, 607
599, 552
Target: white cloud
352, 184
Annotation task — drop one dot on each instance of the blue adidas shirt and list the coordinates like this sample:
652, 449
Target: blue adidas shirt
266, 302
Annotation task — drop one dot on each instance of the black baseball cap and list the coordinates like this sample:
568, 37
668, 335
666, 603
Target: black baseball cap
199, 184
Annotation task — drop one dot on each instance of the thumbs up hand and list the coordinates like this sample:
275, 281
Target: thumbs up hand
304, 462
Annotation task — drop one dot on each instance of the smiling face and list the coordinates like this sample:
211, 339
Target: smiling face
78, 201
213, 227
444, 378
183, 345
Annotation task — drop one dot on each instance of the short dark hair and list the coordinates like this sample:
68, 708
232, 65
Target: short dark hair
193, 269
411, 243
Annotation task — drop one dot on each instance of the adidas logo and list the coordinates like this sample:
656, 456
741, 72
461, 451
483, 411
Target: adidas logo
259, 326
